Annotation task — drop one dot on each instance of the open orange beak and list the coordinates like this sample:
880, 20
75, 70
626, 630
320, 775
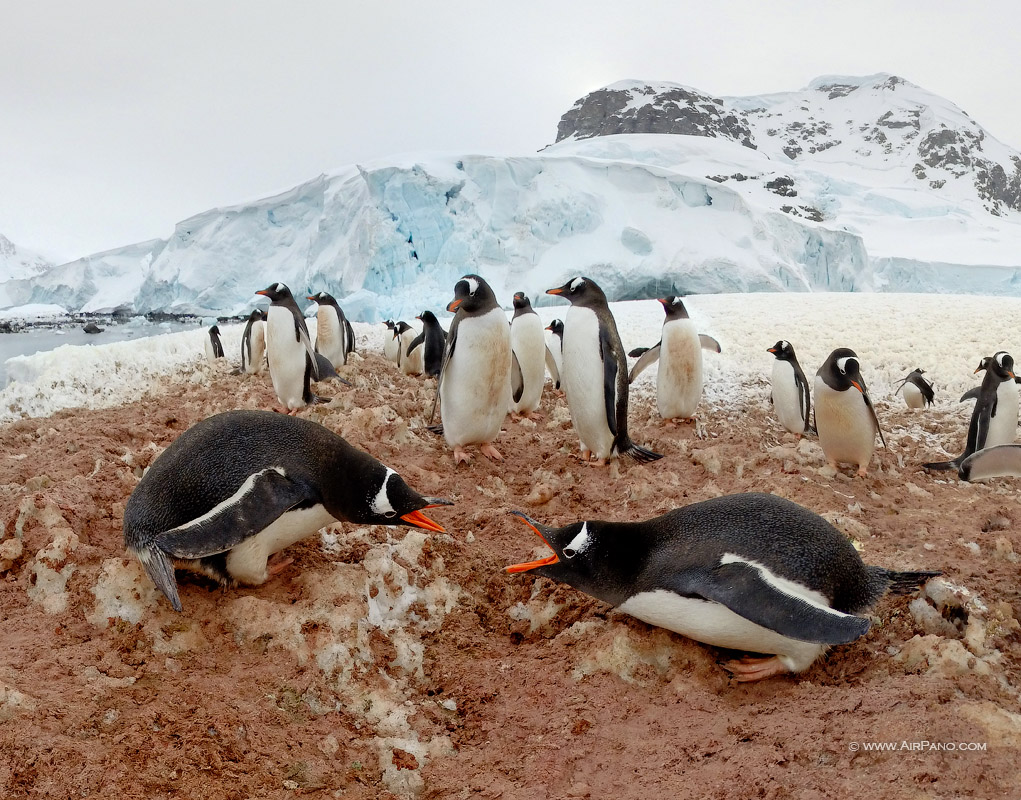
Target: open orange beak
453, 304
552, 291
542, 562
420, 520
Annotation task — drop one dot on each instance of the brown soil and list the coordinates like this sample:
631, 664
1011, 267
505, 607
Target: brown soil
385, 663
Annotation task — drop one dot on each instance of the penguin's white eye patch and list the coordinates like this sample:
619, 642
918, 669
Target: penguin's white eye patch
845, 363
579, 543
473, 286
576, 284
381, 502
1000, 357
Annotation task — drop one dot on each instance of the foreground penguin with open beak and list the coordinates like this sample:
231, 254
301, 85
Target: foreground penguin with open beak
750, 572
240, 486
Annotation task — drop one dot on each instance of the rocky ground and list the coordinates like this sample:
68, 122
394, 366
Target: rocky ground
388, 662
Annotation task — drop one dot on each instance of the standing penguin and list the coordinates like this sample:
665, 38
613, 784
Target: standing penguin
432, 340
790, 396
917, 391
213, 345
595, 375
333, 331
751, 572
679, 352
528, 368
411, 363
994, 418
391, 344
253, 343
845, 419
474, 384
555, 351
240, 486
292, 359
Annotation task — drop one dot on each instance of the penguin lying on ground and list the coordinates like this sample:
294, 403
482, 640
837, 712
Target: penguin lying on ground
679, 352
844, 415
240, 486
253, 343
790, 396
213, 345
994, 418
750, 572
595, 375
432, 340
917, 391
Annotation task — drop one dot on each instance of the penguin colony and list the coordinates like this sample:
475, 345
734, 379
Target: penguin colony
749, 572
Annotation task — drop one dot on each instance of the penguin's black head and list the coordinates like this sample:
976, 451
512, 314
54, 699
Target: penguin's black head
427, 316
575, 559
390, 501
674, 307
983, 364
256, 315
783, 350
842, 370
276, 292
472, 294
1003, 365
215, 329
521, 301
557, 327
401, 327
581, 292
322, 297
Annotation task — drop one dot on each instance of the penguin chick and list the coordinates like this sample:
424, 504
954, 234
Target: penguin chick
240, 486
790, 396
844, 415
750, 572
917, 391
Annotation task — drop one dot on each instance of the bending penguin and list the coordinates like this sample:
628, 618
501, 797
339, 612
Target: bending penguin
334, 335
213, 345
790, 396
240, 486
528, 367
679, 352
595, 375
844, 415
432, 340
917, 391
253, 343
994, 418
474, 383
750, 572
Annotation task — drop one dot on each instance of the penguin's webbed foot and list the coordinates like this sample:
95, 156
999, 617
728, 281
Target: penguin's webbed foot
490, 452
747, 669
461, 456
276, 565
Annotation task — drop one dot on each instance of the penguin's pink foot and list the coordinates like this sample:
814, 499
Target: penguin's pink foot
599, 462
748, 669
862, 472
490, 452
276, 565
461, 456
585, 455
535, 416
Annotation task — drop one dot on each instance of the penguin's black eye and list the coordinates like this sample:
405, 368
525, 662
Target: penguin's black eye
570, 552
389, 514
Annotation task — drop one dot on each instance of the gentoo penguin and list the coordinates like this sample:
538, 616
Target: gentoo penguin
845, 419
595, 374
994, 418
292, 359
333, 331
679, 352
432, 340
790, 396
973, 393
1000, 461
391, 344
240, 486
253, 343
751, 572
528, 367
411, 363
555, 351
213, 345
474, 384
917, 391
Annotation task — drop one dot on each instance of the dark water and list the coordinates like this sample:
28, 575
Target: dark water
38, 339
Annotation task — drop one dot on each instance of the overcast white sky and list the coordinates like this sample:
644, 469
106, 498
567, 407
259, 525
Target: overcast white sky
119, 118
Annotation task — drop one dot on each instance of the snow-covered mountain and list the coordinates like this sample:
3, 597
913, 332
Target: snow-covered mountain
17, 263
852, 184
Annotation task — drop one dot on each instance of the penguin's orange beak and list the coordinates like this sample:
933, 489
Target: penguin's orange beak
1010, 373
264, 294
310, 297
542, 562
662, 300
771, 350
857, 386
453, 304
420, 520
552, 291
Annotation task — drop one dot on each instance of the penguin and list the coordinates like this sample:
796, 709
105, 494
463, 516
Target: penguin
999, 461
845, 419
333, 331
292, 360
595, 375
555, 351
253, 343
411, 363
528, 368
973, 393
679, 352
474, 388
214, 347
790, 396
917, 391
432, 340
751, 572
240, 486
994, 418
391, 344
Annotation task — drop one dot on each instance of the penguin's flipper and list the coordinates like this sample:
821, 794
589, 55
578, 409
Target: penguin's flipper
927, 391
325, 367
448, 351
350, 336
517, 379
804, 397
609, 380
420, 339
301, 335
971, 394
260, 500
1002, 461
755, 594
160, 569
637, 352
551, 367
648, 357
217, 348
872, 411
709, 343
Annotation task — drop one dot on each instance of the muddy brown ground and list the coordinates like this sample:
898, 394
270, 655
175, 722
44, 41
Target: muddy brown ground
380, 664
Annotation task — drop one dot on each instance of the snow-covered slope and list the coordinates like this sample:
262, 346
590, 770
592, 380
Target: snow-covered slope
17, 263
853, 184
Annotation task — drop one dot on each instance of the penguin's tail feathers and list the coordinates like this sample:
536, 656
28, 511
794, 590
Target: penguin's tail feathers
437, 429
160, 569
642, 455
942, 465
907, 582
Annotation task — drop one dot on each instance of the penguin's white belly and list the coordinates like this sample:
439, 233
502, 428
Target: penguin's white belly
1003, 427
786, 397
475, 384
329, 335
847, 432
715, 624
583, 381
391, 346
529, 345
555, 345
679, 377
210, 355
286, 358
413, 364
258, 339
246, 563
913, 396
